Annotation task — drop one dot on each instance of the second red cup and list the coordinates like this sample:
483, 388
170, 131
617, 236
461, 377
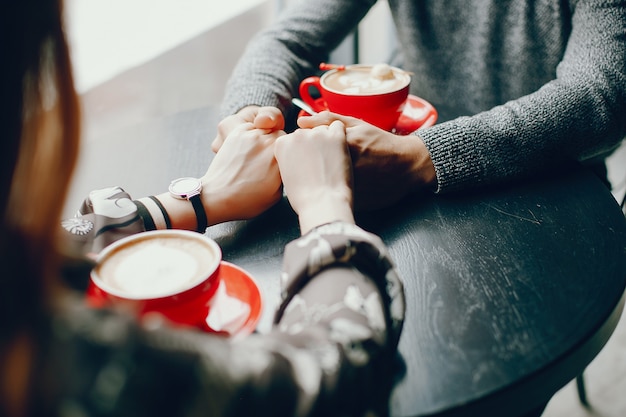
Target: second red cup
375, 94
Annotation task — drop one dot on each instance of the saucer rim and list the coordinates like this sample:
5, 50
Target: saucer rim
251, 322
428, 121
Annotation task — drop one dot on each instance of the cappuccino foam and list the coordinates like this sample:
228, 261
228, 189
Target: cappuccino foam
157, 266
364, 81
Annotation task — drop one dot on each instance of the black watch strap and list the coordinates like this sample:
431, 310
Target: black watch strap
201, 219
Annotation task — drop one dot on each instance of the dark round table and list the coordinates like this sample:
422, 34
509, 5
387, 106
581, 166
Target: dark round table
511, 291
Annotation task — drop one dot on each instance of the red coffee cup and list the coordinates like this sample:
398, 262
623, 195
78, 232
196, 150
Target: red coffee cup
375, 94
164, 273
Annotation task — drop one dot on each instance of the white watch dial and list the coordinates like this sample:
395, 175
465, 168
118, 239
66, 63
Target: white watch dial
185, 187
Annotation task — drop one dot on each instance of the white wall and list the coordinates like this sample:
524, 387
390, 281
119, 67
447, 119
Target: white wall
376, 36
109, 37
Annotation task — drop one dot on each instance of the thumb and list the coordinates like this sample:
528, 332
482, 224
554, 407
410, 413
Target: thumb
217, 143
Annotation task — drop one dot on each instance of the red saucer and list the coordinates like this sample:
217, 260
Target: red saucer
237, 287
234, 310
417, 114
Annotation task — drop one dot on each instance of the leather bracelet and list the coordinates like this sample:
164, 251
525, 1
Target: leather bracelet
201, 219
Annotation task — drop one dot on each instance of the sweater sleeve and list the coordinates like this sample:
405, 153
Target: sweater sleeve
277, 58
576, 116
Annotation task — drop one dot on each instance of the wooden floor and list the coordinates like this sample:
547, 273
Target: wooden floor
185, 78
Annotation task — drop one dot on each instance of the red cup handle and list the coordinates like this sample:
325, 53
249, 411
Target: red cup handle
305, 94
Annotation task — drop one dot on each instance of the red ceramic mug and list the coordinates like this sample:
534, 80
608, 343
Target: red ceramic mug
168, 273
375, 94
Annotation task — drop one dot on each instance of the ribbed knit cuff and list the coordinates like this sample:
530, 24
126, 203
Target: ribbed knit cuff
456, 164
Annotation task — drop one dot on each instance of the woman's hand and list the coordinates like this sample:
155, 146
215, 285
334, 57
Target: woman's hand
317, 174
387, 167
243, 179
266, 118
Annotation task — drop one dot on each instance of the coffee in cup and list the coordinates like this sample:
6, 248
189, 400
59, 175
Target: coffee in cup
375, 94
170, 272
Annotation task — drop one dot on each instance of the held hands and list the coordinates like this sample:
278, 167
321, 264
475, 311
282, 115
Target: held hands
317, 174
387, 167
315, 163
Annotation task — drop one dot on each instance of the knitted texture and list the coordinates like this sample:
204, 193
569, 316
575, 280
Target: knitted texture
520, 85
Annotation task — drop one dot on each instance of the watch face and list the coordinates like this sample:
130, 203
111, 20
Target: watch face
185, 187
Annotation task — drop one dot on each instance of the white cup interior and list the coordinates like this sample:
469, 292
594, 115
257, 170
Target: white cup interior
354, 78
156, 264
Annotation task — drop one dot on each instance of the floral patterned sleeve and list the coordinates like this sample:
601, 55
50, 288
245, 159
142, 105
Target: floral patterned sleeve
372, 287
333, 349
105, 216
343, 304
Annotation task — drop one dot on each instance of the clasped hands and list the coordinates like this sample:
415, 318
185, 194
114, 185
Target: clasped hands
328, 156
255, 160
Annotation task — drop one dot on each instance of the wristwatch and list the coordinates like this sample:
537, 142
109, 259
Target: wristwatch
188, 188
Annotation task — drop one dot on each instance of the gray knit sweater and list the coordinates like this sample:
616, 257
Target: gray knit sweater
520, 85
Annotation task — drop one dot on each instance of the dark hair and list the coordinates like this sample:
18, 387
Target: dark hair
39, 117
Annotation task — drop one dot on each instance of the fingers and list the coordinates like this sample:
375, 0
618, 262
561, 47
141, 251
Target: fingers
224, 128
228, 124
310, 138
267, 118
338, 128
217, 143
326, 118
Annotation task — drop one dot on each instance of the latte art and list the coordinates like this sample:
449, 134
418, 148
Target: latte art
156, 267
365, 81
